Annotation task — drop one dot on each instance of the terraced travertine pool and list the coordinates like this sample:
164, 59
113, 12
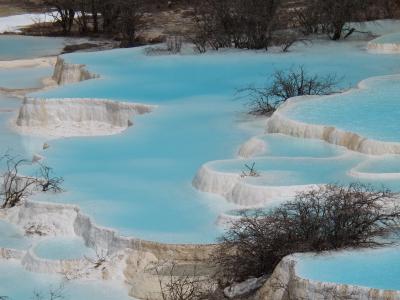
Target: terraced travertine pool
146, 172
372, 111
140, 182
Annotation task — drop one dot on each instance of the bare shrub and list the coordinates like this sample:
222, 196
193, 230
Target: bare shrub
328, 218
102, 257
174, 44
287, 84
307, 19
47, 182
187, 285
15, 187
234, 23
285, 40
332, 17
130, 15
63, 13
36, 229
250, 171
54, 293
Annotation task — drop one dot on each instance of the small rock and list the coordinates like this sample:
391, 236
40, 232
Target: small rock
46, 146
36, 158
244, 288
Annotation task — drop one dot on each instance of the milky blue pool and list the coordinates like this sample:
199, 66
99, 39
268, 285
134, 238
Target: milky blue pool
65, 248
12, 237
287, 146
139, 182
12, 275
376, 268
23, 47
373, 112
24, 77
388, 39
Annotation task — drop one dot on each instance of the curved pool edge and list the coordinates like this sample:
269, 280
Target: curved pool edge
280, 123
376, 46
236, 190
76, 117
285, 281
97, 236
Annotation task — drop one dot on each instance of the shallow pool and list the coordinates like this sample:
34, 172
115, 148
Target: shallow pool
392, 38
372, 112
139, 182
287, 146
23, 47
12, 274
12, 237
23, 78
64, 248
376, 268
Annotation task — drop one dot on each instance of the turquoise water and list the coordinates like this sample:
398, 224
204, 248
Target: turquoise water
13, 238
388, 39
23, 77
12, 275
376, 268
139, 182
65, 248
276, 171
372, 112
384, 164
128, 74
8, 139
145, 173
24, 47
286, 146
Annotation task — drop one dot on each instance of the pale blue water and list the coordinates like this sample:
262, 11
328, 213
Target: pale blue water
23, 77
139, 182
276, 171
372, 112
388, 39
12, 237
128, 74
24, 47
382, 164
376, 268
287, 146
19, 284
65, 248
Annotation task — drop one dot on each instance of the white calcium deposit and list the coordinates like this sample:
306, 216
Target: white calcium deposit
66, 73
252, 147
76, 117
235, 189
280, 123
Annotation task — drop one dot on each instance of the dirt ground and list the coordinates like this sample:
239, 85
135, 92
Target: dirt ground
12, 7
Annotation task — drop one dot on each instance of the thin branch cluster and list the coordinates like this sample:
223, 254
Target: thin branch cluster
16, 188
285, 85
329, 218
